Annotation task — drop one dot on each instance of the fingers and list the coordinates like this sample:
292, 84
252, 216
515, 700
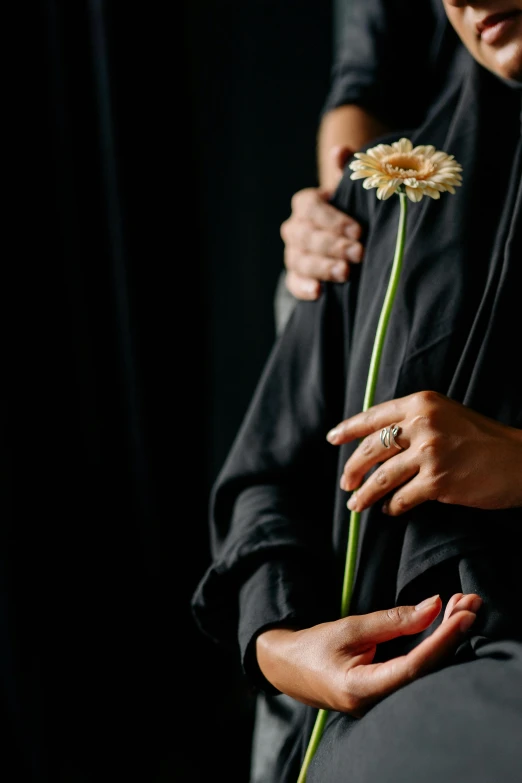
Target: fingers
470, 602
452, 604
318, 254
316, 266
302, 287
368, 422
417, 407
320, 243
368, 453
370, 683
412, 494
401, 473
307, 235
312, 204
382, 626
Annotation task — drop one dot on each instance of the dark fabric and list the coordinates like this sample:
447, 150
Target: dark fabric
371, 60
461, 725
277, 497
369, 65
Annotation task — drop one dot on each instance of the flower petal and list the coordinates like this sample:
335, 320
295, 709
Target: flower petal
414, 194
361, 156
403, 145
385, 191
426, 151
361, 174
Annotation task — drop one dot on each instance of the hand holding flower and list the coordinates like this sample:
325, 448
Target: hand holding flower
450, 453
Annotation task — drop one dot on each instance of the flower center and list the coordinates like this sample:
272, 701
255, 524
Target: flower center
403, 165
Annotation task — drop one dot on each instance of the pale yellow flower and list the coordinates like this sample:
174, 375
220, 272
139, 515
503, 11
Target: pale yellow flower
421, 171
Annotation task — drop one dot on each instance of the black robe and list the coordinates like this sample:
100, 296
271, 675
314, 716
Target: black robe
279, 521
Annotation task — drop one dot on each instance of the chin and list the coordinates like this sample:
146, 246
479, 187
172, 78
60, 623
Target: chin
511, 72
513, 75
508, 64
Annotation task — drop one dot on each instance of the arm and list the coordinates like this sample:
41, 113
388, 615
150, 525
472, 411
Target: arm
320, 244
342, 130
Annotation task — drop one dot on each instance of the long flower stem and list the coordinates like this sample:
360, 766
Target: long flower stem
353, 538
353, 535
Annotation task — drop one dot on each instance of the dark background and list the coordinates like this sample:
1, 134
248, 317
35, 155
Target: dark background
156, 148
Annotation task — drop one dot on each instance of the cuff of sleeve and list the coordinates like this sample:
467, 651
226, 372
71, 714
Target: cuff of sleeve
276, 594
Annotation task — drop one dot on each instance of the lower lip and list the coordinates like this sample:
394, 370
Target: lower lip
493, 34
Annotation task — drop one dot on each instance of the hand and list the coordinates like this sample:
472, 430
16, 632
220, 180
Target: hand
444, 451
330, 665
320, 240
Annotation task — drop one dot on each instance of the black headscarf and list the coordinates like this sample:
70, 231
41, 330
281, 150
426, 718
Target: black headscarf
279, 521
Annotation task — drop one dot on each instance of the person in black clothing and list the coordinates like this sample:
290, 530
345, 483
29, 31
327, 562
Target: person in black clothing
433, 694
321, 242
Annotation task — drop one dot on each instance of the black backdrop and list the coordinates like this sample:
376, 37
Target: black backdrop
157, 147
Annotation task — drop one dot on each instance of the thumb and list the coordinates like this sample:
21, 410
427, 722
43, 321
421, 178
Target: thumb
340, 154
382, 626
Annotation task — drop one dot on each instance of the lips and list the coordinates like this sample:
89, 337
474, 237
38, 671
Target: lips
495, 19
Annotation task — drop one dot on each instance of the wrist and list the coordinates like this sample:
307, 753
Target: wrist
272, 648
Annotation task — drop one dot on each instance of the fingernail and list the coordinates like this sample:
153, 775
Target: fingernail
332, 435
353, 231
311, 288
339, 272
354, 252
352, 503
428, 602
476, 604
467, 622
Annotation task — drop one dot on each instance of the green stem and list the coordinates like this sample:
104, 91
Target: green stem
353, 535
313, 744
353, 538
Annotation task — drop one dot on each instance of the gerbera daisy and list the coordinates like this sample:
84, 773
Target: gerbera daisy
417, 171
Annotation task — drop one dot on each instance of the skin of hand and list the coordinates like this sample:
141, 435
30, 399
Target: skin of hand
321, 241
330, 666
446, 452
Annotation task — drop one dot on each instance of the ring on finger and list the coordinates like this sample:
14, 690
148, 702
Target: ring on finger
385, 437
395, 431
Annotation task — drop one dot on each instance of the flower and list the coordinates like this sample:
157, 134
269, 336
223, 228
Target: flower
422, 170
411, 172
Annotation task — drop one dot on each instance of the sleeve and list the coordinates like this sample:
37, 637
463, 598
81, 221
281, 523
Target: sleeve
271, 507
387, 57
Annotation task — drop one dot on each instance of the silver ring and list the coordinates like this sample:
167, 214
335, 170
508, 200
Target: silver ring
394, 432
385, 437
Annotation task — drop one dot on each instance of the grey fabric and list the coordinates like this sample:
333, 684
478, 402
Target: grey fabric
272, 716
284, 303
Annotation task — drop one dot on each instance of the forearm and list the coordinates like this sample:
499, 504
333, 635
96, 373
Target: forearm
347, 126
